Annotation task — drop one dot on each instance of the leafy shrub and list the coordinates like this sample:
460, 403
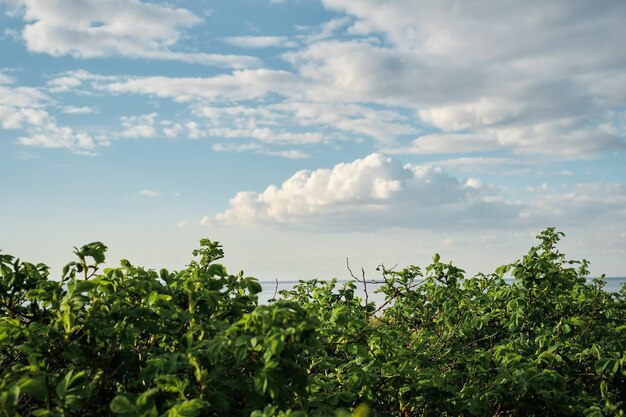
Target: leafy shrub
133, 342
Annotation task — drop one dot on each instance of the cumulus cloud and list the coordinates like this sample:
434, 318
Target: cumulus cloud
89, 29
378, 191
373, 192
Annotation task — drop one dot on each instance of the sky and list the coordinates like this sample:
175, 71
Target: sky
302, 133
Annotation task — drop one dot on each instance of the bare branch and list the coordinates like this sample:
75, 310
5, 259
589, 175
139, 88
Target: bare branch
275, 291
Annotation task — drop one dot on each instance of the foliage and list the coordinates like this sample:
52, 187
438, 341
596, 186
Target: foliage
134, 342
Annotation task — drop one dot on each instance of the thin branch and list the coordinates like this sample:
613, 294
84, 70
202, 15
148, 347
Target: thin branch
275, 291
366, 295
364, 282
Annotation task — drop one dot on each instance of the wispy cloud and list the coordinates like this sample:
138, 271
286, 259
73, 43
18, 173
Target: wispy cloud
149, 193
25, 109
78, 110
259, 149
139, 126
254, 42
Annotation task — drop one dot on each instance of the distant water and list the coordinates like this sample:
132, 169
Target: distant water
613, 284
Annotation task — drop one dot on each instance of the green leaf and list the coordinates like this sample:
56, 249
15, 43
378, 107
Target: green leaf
84, 286
217, 270
95, 249
346, 397
253, 286
36, 387
609, 365
123, 405
189, 408
501, 270
32, 271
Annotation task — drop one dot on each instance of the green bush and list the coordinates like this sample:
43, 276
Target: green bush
134, 342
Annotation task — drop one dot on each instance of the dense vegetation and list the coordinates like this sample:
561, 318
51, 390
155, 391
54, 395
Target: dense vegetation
136, 342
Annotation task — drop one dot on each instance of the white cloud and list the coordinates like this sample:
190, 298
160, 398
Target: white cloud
71, 80
449, 142
78, 110
22, 97
247, 121
139, 126
482, 68
63, 84
258, 149
240, 85
267, 135
149, 193
17, 118
326, 30
307, 122
470, 115
379, 192
235, 147
289, 154
11, 34
589, 203
89, 29
193, 130
260, 42
5, 79
172, 130
479, 161
53, 136
383, 125
567, 137
24, 108
475, 78
373, 192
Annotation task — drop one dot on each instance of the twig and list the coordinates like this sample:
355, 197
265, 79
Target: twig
275, 291
364, 282
366, 294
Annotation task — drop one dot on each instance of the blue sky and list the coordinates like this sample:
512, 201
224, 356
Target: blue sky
299, 133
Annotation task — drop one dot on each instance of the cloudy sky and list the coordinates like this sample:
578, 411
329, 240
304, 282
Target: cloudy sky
302, 132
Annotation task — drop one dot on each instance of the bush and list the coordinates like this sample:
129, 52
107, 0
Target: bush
134, 342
